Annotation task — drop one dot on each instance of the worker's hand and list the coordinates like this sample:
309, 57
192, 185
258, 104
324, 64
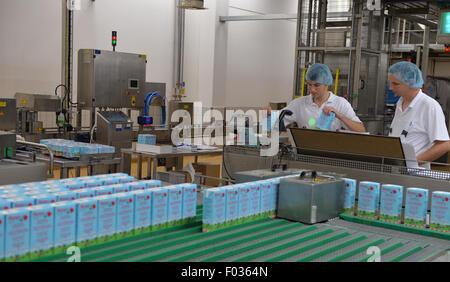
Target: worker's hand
327, 110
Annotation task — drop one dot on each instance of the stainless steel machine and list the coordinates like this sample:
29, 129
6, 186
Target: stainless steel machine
114, 129
28, 107
15, 169
8, 114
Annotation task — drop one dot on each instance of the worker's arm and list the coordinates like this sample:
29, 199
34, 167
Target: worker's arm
351, 125
436, 151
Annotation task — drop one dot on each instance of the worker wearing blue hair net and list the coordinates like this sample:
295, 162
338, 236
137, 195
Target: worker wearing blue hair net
419, 120
307, 109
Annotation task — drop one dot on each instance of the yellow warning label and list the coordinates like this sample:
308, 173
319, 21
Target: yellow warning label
2, 114
186, 107
39, 129
24, 101
133, 100
320, 180
144, 57
2, 104
182, 91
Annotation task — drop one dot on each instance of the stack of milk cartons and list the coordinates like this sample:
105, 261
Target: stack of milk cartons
349, 195
148, 139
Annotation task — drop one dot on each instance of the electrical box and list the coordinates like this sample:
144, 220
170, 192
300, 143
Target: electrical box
111, 79
8, 114
443, 35
114, 128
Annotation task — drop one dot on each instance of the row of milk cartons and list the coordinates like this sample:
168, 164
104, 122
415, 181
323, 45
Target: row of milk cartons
36, 230
228, 205
385, 202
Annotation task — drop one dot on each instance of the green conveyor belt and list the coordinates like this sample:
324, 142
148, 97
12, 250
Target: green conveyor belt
262, 239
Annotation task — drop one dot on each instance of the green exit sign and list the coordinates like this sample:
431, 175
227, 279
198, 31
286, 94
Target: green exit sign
445, 23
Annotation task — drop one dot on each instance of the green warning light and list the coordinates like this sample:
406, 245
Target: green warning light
311, 122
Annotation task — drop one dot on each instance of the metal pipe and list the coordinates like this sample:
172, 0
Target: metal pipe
52, 159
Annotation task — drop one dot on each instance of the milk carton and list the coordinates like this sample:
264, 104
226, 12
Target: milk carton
134, 186
17, 234
20, 202
214, 209
142, 211
86, 222
74, 185
391, 200
93, 183
42, 230
349, 195
29, 194
368, 199
65, 224
4, 205
2, 236
255, 200
175, 206
103, 191
160, 201
416, 207
121, 188
107, 218
125, 214
274, 186
267, 204
440, 211
149, 184
65, 196
85, 193
43, 199
244, 202
232, 205
125, 179
189, 202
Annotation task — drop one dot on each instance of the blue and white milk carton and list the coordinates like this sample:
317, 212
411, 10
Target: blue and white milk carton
244, 202
92, 183
66, 196
120, 188
2, 236
440, 211
44, 199
20, 202
189, 202
85, 193
4, 204
107, 218
149, 184
125, 179
274, 186
391, 201
65, 216
74, 185
42, 230
232, 204
174, 205
255, 199
416, 207
368, 199
214, 209
103, 191
160, 201
349, 195
87, 221
125, 214
17, 233
139, 185
267, 207
142, 211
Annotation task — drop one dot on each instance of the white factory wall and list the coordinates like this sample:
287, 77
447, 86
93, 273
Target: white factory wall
226, 64
260, 54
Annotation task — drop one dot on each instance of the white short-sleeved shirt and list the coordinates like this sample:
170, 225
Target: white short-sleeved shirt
304, 109
422, 123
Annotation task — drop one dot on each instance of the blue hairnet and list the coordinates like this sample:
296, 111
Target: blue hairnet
408, 73
319, 73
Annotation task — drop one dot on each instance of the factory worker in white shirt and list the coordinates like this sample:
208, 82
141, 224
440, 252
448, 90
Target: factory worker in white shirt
307, 109
419, 119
